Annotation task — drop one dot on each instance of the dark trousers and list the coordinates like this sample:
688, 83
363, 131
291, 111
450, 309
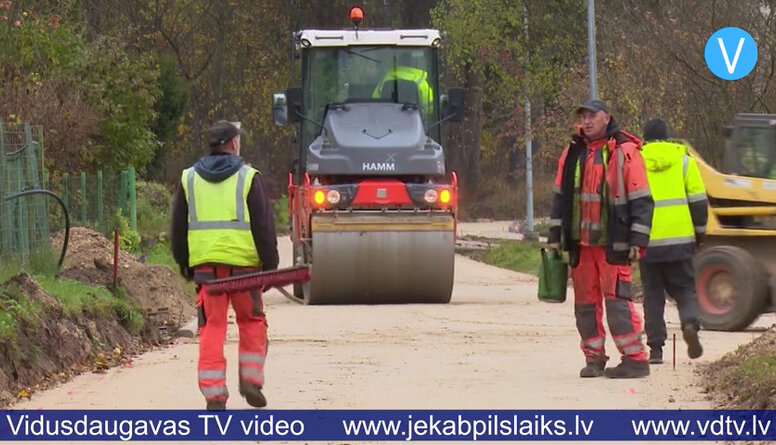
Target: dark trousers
677, 278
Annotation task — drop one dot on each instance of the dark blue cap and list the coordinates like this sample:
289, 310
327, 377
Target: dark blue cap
593, 105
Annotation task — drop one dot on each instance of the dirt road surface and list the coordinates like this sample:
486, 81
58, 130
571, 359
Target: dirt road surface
494, 347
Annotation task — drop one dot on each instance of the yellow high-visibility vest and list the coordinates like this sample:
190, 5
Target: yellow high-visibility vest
219, 221
675, 181
425, 92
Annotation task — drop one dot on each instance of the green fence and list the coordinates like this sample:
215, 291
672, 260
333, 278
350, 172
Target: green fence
27, 222
23, 221
93, 199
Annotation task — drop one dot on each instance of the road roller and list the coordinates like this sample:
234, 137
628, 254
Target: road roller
372, 203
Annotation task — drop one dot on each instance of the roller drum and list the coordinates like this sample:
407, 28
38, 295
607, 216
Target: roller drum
385, 259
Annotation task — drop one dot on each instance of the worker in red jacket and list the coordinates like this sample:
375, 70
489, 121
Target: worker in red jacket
222, 225
601, 216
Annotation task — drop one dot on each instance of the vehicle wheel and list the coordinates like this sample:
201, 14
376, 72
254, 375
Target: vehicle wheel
732, 288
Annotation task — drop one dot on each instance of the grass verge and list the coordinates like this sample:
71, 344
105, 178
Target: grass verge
79, 298
15, 308
161, 254
520, 256
525, 257
744, 378
75, 297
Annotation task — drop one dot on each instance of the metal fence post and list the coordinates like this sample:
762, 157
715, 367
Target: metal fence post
132, 200
6, 223
64, 190
46, 227
23, 227
83, 199
123, 193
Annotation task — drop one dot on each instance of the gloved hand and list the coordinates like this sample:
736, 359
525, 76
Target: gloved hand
633, 254
554, 247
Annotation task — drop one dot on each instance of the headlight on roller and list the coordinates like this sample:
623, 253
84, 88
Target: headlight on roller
430, 196
333, 197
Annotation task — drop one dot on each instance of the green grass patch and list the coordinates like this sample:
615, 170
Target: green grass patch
281, 215
525, 257
160, 253
759, 367
79, 298
15, 307
43, 261
520, 256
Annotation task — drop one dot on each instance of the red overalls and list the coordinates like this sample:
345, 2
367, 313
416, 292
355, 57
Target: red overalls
252, 324
598, 283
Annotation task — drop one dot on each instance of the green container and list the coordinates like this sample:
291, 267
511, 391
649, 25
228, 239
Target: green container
553, 277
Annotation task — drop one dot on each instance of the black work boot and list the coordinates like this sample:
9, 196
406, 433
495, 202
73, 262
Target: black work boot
253, 395
216, 405
690, 334
593, 368
656, 355
628, 369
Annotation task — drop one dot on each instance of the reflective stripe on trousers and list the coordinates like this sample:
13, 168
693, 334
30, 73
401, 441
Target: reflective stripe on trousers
252, 342
598, 283
252, 368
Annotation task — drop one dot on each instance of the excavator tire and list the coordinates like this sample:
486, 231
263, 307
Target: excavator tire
732, 288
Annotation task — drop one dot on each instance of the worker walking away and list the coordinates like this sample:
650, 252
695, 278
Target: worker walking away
222, 225
601, 214
678, 227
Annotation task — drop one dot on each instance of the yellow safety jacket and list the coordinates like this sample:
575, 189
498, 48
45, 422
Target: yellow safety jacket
425, 92
681, 206
219, 222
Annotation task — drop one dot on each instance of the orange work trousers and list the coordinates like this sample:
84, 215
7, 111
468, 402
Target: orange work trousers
599, 284
252, 324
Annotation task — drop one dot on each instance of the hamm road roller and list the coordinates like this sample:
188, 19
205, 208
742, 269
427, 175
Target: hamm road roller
372, 203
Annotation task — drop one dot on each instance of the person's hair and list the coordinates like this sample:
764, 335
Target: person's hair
655, 130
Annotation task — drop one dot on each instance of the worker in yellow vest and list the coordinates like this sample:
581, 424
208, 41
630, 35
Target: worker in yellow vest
222, 225
407, 81
678, 228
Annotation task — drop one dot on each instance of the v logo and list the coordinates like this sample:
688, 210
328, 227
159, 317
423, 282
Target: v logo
730, 66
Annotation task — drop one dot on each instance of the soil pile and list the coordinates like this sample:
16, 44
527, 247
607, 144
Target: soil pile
746, 377
156, 288
52, 347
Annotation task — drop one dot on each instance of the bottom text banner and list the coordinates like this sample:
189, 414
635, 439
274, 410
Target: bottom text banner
387, 425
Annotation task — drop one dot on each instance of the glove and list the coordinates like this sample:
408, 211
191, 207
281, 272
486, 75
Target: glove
633, 254
187, 273
554, 247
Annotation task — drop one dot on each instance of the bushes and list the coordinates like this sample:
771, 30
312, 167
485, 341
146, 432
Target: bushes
129, 240
154, 203
281, 215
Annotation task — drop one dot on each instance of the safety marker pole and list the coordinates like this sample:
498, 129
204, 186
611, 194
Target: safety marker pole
674, 353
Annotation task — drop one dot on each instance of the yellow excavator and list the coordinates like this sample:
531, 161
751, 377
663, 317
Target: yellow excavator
736, 267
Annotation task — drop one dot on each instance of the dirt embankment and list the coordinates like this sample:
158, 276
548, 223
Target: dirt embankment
51, 345
156, 288
746, 377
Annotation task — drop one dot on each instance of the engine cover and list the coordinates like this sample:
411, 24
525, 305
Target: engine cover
374, 138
